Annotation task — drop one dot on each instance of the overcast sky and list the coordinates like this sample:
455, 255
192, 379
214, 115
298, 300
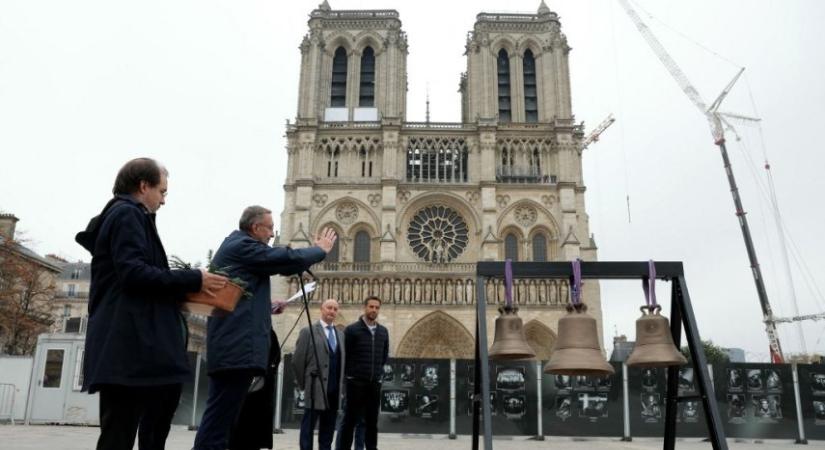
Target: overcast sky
206, 86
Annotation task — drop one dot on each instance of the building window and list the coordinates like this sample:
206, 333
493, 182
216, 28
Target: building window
78, 370
67, 310
332, 163
531, 102
338, 96
366, 163
504, 111
73, 325
438, 234
366, 96
511, 247
71, 290
539, 248
361, 251
331, 261
437, 160
53, 369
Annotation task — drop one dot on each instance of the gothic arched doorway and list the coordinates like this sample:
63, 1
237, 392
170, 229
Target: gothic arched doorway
437, 335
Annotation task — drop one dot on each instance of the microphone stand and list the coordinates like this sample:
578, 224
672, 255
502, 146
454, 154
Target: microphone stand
315, 373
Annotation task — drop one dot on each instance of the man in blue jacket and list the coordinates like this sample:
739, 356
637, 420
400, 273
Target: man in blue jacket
238, 345
135, 353
367, 345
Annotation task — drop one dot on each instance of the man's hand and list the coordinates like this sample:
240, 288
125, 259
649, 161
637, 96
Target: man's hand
211, 282
278, 306
326, 239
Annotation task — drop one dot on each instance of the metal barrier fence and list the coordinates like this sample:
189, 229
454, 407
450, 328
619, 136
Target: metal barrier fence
7, 394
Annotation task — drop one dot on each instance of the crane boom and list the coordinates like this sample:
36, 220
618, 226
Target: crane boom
814, 317
594, 135
716, 120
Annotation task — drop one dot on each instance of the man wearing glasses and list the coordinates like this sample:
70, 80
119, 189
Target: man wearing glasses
239, 344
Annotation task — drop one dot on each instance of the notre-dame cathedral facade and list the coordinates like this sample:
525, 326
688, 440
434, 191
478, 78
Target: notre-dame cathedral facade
417, 204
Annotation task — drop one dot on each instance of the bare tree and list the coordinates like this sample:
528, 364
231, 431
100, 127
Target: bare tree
27, 287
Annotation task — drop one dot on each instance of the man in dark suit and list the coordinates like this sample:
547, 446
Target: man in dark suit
367, 346
135, 352
320, 380
238, 345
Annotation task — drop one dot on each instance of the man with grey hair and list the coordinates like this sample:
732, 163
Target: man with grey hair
241, 345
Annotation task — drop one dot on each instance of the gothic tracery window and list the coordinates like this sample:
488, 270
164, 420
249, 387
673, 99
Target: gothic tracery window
438, 234
531, 104
361, 251
504, 109
338, 95
539, 247
366, 95
511, 247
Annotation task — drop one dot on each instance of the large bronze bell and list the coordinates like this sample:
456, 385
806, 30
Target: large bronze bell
577, 350
654, 343
510, 342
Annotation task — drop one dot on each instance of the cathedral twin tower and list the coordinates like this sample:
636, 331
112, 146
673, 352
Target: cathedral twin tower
417, 204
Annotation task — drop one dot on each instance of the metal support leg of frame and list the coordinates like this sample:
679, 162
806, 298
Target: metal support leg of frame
481, 390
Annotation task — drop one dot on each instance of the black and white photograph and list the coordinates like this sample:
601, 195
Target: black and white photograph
735, 380
603, 384
426, 405
513, 406
754, 380
649, 378
689, 411
584, 383
562, 382
406, 374
651, 406
429, 376
818, 383
592, 405
766, 408
298, 401
773, 382
387, 376
510, 378
686, 383
395, 401
819, 412
493, 403
564, 407
736, 408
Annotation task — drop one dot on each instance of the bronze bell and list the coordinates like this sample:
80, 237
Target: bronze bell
577, 350
654, 343
510, 342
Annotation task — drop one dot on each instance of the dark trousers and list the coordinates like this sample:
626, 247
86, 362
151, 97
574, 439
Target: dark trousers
362, 404
326, 424
358, 434
124, 408
227, 391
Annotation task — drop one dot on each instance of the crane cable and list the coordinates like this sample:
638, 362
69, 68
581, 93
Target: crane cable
621, 112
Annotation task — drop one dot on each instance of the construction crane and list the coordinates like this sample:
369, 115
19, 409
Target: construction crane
594, 135
814, 317
716, 120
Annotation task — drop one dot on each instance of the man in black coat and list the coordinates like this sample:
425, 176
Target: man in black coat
367, 344
135, 353
238, 345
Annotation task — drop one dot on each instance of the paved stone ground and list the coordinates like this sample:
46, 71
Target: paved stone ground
21, 437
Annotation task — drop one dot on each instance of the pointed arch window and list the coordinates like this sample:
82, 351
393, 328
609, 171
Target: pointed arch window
366, 95
332, 162
332, 258
361, 251
504, 109
539, 248
338, 95
511, 247
531, 100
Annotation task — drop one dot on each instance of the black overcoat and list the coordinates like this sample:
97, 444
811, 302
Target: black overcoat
136, 335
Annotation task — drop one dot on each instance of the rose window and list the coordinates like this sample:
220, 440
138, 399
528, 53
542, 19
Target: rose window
437, 234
